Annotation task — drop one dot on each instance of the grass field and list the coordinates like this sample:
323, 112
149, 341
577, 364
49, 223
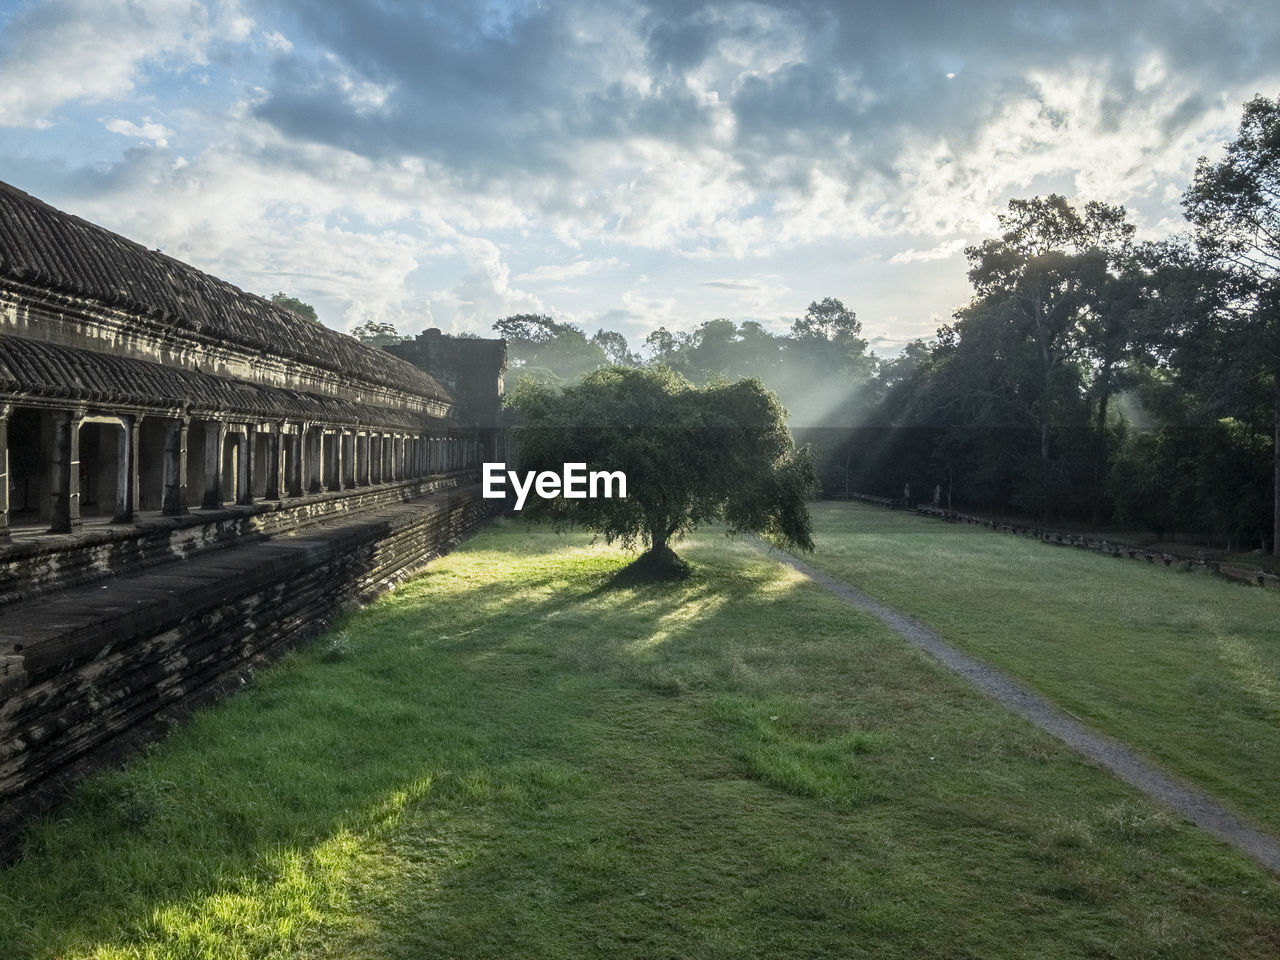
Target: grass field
1185, 667
505, 758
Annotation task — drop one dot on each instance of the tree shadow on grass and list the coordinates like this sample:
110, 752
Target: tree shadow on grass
237, 832
478, 774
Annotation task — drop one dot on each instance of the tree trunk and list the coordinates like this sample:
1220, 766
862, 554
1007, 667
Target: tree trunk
1100, 440
1275, 475
1046, 366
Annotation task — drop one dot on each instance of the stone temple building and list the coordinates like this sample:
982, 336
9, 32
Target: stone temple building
191, 479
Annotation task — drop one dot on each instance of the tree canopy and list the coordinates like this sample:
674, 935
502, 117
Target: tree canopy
691, 455
1234, 209
377, 334
294, 305
1091, 376
550, 351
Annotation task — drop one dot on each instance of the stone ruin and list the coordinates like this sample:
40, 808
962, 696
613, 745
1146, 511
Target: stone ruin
193, 479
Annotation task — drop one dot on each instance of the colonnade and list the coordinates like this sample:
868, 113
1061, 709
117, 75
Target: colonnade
61, 465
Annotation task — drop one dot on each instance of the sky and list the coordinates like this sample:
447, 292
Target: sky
622, 165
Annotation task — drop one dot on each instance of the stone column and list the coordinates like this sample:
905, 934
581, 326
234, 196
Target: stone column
339, 460
174, 502
275, 463
305, 458
322, 478
315, 462
127, 471
297, 478
64, 486
5, 411
214, 434
244, 468
288, 463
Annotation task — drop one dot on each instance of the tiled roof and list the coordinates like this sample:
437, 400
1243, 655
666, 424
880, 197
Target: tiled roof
45, 247
57, 372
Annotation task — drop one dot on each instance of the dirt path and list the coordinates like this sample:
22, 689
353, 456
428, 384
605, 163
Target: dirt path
1196, 806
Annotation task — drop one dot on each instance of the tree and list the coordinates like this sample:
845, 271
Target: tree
547, 350
690, 455
829, 321
1234, 208
615, 348
825, 366
294, 305
1054, 268
668, 349
377, 334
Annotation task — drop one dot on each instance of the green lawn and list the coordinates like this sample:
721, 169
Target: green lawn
507, 759
1185, 667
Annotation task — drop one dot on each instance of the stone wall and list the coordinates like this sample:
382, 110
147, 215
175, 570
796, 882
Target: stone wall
40, 565
193, 479
1103, 545
471, 368
87, 682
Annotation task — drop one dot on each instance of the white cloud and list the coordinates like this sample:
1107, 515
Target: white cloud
940, 252
484, 294
157, 133
652, 311
93, 50
680, 172
556, 273
277, 41
325, 225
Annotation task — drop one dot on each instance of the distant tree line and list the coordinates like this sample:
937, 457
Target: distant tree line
1091, 377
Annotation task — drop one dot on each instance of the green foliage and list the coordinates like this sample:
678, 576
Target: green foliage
1048, 278
1234, 208
819, 370
1191, 473
1234, 204
691, 455
547, 351
615, 348
294, 305
377, 334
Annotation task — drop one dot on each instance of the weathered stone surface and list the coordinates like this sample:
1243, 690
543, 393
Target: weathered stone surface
91, 670
47, 250
193, 479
